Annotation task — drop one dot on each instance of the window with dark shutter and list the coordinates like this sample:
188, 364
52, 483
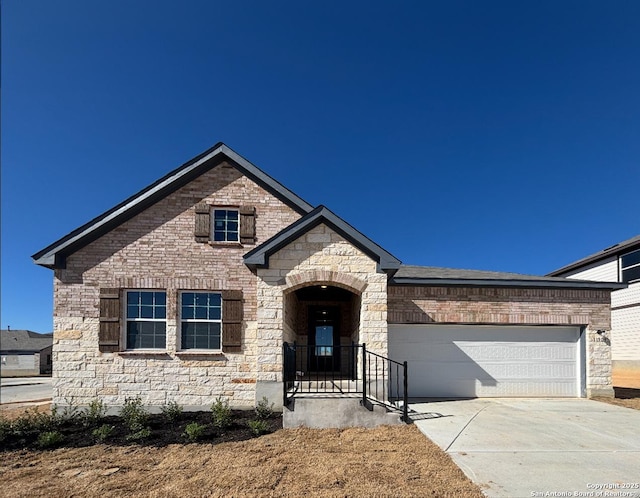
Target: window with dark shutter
109, 332
247, 224
203, 222
231, 321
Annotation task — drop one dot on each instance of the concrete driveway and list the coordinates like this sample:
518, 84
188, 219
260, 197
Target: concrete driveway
539, 447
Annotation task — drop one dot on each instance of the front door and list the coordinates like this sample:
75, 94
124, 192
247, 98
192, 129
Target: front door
324, 339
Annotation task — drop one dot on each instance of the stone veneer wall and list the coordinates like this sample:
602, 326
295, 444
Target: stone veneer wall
518, 306
156, 250
321, 256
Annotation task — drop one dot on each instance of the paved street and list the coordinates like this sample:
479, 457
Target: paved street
24, 389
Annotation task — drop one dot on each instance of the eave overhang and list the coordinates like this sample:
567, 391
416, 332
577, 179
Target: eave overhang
458, 282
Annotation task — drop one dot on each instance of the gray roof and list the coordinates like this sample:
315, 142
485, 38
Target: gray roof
614, 250
53, 256
24, 341
259, 256
432, 275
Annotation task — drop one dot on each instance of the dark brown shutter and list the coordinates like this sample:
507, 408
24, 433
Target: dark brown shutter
231, 321
203, 222
109, 333
247, 224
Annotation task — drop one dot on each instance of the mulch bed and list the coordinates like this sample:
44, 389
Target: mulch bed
163, 433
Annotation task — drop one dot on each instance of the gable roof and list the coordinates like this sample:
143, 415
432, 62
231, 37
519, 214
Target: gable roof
431, 275
53, 256
24, 341
614, 250
259, 256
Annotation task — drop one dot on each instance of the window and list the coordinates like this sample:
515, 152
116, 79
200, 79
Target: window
226, 225
146, 319
201, 320
324, 340
630, 266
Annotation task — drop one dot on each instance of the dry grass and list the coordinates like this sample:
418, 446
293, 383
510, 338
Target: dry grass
387, 461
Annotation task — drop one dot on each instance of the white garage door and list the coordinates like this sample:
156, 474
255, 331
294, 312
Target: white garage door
488, 361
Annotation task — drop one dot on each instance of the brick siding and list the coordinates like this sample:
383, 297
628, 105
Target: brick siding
156, 249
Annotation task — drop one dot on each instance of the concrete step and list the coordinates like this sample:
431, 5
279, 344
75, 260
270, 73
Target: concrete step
330, 412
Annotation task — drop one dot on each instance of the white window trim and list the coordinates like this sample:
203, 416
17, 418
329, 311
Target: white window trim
212, 216
180, 348
126, 320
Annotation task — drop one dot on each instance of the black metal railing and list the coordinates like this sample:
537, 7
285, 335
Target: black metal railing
347, 370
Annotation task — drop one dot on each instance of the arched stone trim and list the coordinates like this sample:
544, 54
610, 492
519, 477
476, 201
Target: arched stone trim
320, 277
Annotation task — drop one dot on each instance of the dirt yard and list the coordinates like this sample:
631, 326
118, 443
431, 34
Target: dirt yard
387, 461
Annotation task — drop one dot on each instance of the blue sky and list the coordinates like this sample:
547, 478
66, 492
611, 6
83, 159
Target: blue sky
493, 135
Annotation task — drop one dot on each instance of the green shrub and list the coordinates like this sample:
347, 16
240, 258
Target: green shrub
221, 414
135, 417
5, 429
194, 431
94, 413
172, 411
133, 414
22, 426
138, 434
33, 421
102, 433
258, 427
50, 439
69, 410
264, 410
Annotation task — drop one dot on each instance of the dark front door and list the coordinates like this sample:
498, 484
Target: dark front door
324, 339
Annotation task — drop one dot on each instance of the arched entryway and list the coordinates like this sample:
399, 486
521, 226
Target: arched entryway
323, 321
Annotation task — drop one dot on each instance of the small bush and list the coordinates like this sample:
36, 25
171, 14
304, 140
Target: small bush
5, 429
264, 410
135, 417
50, 439
133, 414
69, 410
94, 413
258, 427
221, 414
139, 434
102, 433
33, 421
172, 411
194, 431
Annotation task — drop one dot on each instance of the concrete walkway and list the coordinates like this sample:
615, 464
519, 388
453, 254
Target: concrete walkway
531, 447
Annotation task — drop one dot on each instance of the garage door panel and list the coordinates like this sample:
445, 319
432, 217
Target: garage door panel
476, 361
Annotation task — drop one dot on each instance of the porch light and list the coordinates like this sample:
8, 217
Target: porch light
323, 286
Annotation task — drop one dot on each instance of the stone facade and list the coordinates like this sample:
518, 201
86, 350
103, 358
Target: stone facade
156, 249
320, 256
516, 306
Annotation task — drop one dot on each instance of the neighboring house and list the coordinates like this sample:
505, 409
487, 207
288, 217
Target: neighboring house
187, 291
618, 263
25, 353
